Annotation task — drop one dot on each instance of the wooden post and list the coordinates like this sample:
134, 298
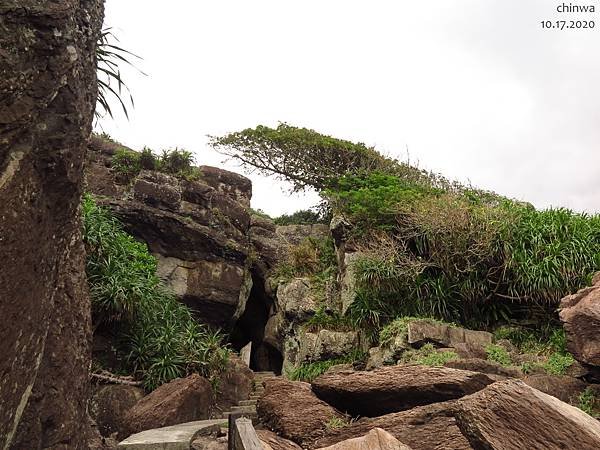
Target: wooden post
244, 435
231, 427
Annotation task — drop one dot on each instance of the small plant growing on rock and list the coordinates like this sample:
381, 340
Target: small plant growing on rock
148, 160
498, 354
588, 402
336, 423
428, 355
558, 364
126, 163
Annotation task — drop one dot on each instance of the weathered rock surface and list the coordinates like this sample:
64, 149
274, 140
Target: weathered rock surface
564, 388
509, 415
395, 388
485, 366
376, 439
110, 404
48, 86
198, 230
296, 300
580, 314
431, 427
292, 410
445, 335
235, 384
273, 442
181, 400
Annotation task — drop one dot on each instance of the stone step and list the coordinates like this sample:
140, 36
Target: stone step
244, 409
249, 402
174, 437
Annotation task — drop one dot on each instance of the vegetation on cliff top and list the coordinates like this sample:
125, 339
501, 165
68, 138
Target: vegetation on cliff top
430, 247
157, 337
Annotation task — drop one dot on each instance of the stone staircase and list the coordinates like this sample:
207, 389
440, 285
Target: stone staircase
247, 408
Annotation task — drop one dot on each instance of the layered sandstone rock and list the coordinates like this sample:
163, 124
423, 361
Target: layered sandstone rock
580, 314
376, 439
181, 400
509, 415
292, 410
48, 85
395, 388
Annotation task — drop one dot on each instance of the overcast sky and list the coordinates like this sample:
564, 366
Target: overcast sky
474, 89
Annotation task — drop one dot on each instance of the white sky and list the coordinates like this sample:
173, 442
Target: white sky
475, 89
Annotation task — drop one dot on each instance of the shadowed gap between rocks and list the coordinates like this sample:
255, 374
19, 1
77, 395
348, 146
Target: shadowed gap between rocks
250, 327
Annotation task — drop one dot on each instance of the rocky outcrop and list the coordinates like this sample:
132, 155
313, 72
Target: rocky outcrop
484, 366
292, 410
234, 384
509, 415
48, 85
564, 388
271, 441
181, 400
395, 388
580, 314
445, 335
431, 427
376, 439
110, 404
198, 230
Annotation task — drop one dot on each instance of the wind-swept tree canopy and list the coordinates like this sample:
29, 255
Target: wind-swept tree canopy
305, 157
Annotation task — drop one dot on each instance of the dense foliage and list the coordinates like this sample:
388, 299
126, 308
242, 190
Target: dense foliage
301, 217
430, 247
157, 337
177, 162
461, 256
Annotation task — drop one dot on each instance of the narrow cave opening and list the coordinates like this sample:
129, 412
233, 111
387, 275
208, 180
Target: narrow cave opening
250, 327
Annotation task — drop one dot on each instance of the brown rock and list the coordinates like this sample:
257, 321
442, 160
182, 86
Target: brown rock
110, 404
564, 388
232, 184
485, 366
430, 427
580, 314
293, 411
235, 384
509, 415
395, 388
273, 442
445, 335
376, 439
48, 93
181, 400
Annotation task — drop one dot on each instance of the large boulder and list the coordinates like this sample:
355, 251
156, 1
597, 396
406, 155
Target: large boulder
376, 439
509, 415
296, 300
445, 335
485, 366
109, 405
181, 400
580, 314
234, 384
48, 85
564, 388
395, 388
292, 410
422, 428
271, 441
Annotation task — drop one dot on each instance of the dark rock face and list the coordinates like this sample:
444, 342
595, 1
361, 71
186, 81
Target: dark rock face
292, 410
580, 314
431, 427
509, 415
395, 388
181, 400
48, 85
563, 388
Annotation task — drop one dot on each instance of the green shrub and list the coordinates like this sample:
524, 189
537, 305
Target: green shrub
302, 217
588, 402
126, 162
428, 355
156, 335
309, 371
558, 364
148, 160
335, 423
498, 354
326, 319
